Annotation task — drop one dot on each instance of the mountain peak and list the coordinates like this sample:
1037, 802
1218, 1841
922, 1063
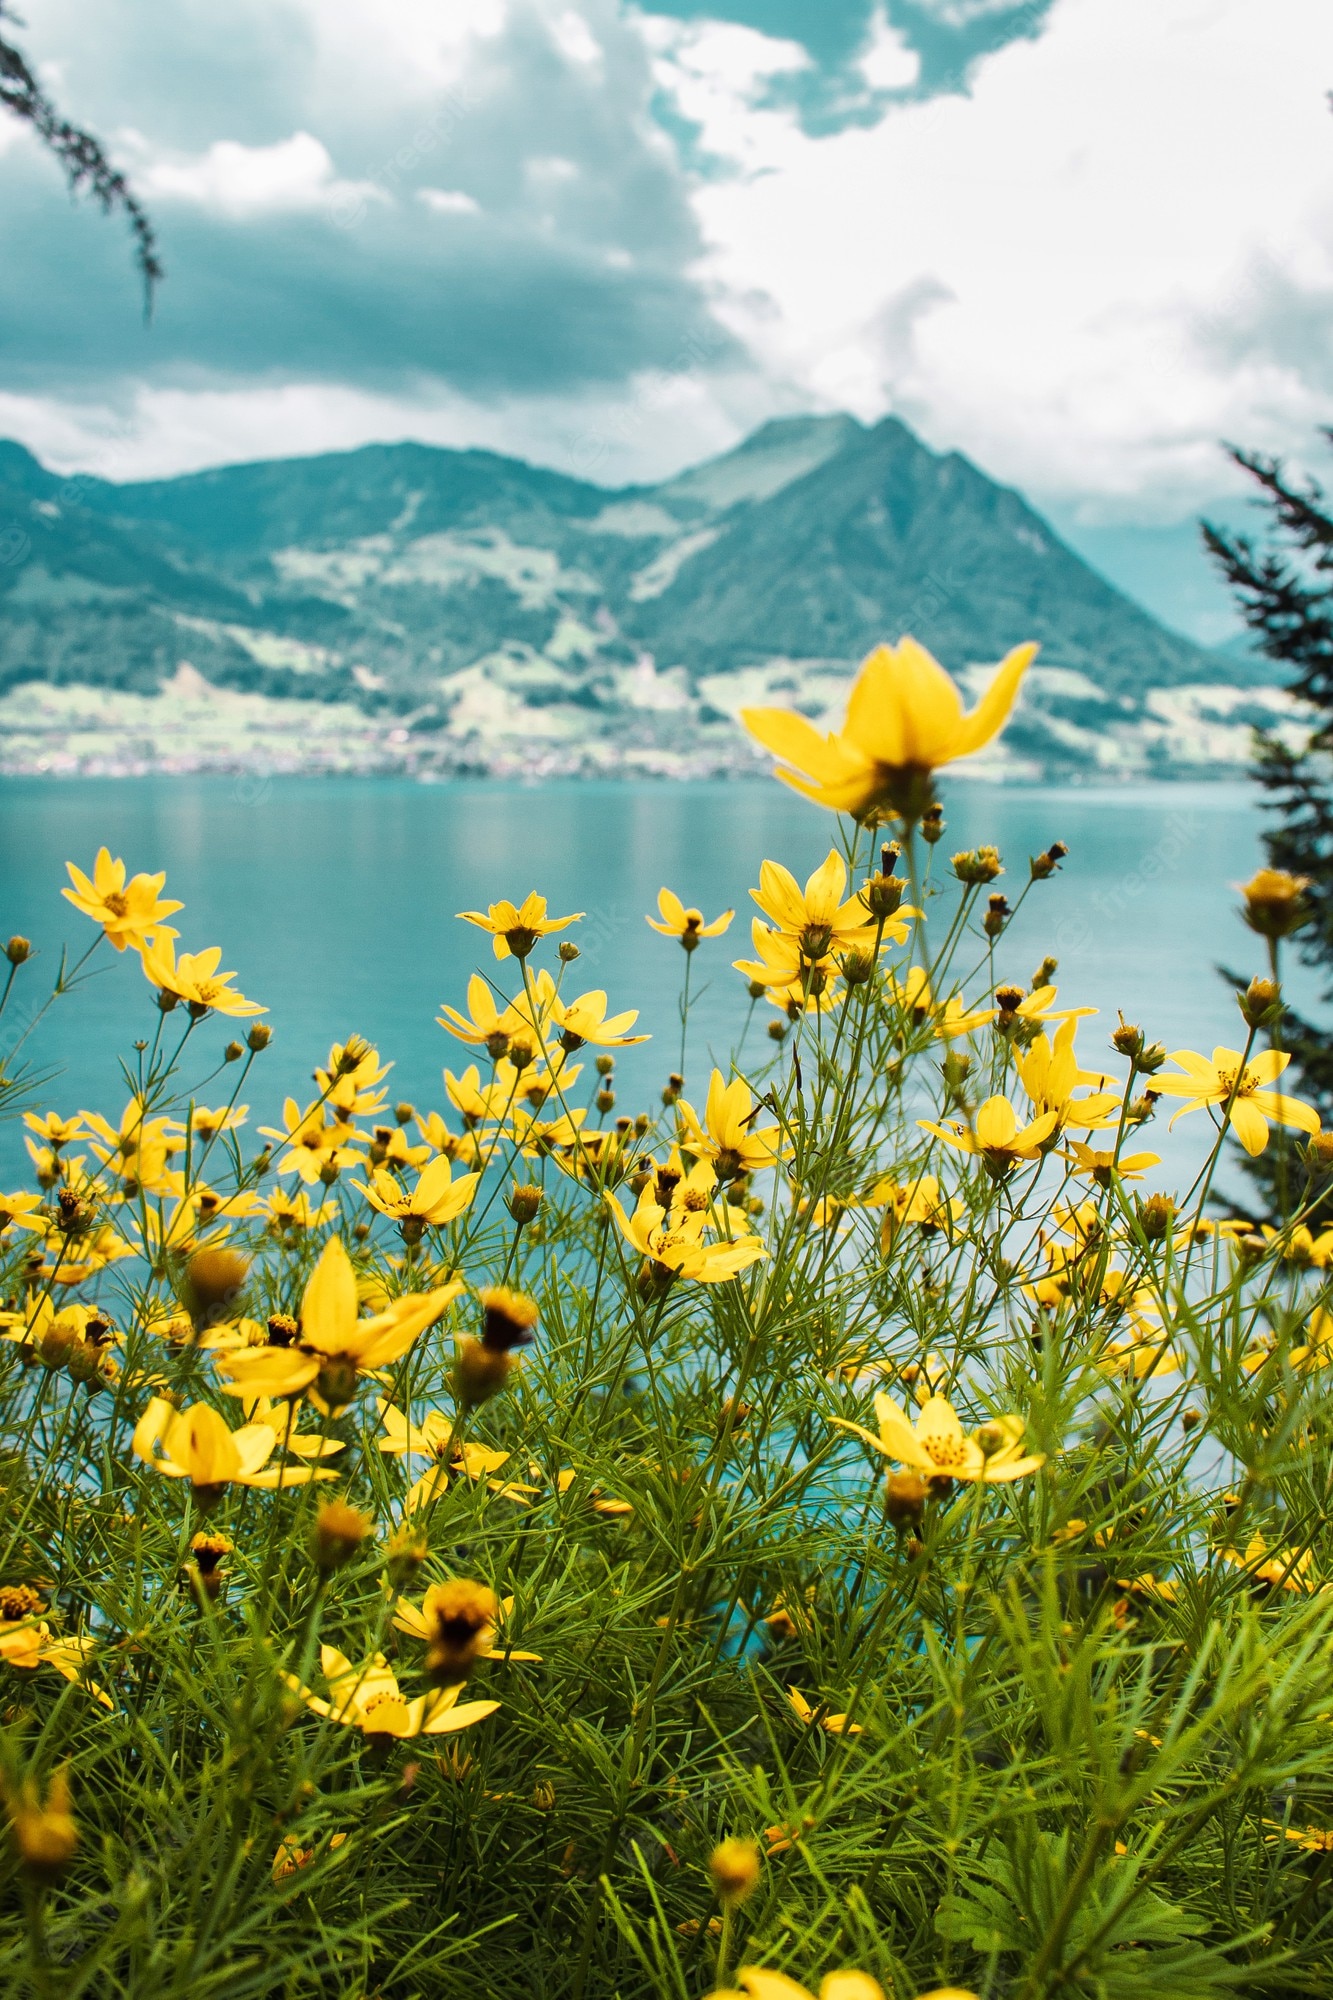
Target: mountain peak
780, 452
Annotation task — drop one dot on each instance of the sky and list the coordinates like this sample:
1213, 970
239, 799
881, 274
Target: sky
1083, 241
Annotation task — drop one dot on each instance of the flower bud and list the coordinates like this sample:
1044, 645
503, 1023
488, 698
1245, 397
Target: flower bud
508, 1318
1261, 1003
1045, 972
932, 824
997, 915
479, 1372
1319, 1152
524, 1202
1140, 1109
214, 1281
404, 1112
606, 1101
1275, 904
460, 1626
884, 891
45, 1835
1127, 1040
1044, 865
675, 1083
777, 1031
259, 1037
1156, 1215
734, 1867
569, 951
905, 1499
978, 864
233, 1052
204, 1571
59, 1339
339, 1533
18, 950
605, 1064
407, 1550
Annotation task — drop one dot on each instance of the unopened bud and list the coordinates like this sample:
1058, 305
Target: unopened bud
404, 1113
479, 1372
45, 1835
932, 824
18, 950
214, 1278
1044, 865
1319, 1152
606, 1101
1045, 972
1140, 1109
339, 1533
233, 1052
991, 1438
524, 1202
1274, 902
997, 916
905, 1498
406, 1551
1261, 1003
605, 1064
777, 1031
569, 951
734, 1866
259, 1037
1127, 1040
1156, 1214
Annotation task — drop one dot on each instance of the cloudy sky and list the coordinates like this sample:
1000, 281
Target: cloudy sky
1081, 240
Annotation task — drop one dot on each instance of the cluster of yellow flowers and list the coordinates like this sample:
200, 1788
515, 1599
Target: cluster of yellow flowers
155, 1265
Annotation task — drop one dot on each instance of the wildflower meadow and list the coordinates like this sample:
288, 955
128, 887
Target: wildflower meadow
845, 1527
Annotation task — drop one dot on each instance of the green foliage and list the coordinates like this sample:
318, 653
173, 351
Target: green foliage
1065, 1733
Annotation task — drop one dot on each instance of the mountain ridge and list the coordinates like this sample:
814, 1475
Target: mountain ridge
469, 602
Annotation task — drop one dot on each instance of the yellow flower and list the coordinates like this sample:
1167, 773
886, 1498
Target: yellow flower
333, 1344
584, 1020
669, 1235
516, 930
920, 1201
511, 1030
728, 1135
939, 1447
904, 720
294, 1211
1282, 1569
56, 1131
686, 925
459, 1620
349, 1081
312, 1144
1101, 1167
196, 1444
194, 978
1243, 1095
434, 1438
818, 917
137, 1149
129, 913
436, 1199
23, 1210
836, 1725
760, 1983
368, 1698
1050, 1075
996, 1137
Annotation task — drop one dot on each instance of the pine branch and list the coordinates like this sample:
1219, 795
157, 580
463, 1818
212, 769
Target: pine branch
82, 157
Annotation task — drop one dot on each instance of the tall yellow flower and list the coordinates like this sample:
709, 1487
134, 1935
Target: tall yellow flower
129, 912
938, 1446
585, 1020
369, 1699
687, 926
436, 1199
727, 1134
821, 917
996, 1137
670, 1237
1051, 1074
904, 720
333, 1345
196, 1444
194, 978
516, 928
1219, 1082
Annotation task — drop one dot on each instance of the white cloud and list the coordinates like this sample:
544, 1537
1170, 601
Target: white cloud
1075, 271
448, 201
575, 39
646, 430
888, 62
241, 181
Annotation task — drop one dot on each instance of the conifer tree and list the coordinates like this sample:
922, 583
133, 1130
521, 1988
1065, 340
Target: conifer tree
1284, 590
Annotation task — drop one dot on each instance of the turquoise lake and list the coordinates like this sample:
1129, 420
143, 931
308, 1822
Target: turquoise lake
335, 901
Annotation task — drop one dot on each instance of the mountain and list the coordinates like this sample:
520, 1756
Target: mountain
403, 606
